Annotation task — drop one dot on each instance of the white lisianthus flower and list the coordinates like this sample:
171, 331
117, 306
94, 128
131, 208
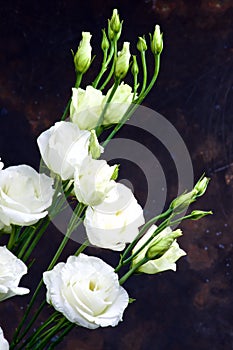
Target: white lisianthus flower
92, 181
63, 147
11, 271
119, 104
86, 107
86, 291
167, 261
115, 221
1, 164
4, 345
24, 195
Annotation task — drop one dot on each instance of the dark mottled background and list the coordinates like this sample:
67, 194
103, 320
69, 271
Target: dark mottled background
190, 309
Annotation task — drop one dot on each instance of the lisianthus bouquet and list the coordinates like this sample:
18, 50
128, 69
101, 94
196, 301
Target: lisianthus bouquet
85, 291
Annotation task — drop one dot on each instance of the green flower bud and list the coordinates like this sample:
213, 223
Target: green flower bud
122, 61
105, 42
164, 262
141, 45
162, 244
201, 186
94, 147
182, 202
110, 31
82, 58
115, 172
156, 41
198, 214
135, 69
115, 23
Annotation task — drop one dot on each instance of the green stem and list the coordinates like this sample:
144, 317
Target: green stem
78, 80
33, 243
153, 80
113, 65
39, 330
42, 341
102, 71
77, 213
66, 110
61, 336
132, 270
82, 248
144, 69
161, 227
164, 215
11, 241
136, 102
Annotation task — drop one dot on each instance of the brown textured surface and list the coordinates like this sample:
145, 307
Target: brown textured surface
192, 308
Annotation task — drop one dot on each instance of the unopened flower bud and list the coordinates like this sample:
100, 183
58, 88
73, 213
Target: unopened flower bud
198, 214
157, 41
105, 42
135, 69
201, 186
110, 31
82, 58
115, 172
122, 61
182, 202
94, 147
141, 45
162, 244
115, 22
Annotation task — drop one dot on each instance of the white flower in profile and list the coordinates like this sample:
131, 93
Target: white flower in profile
86, 291
25, 195
63, 147
11, 271
115, 221
4, 345
92, 181
86, 107
118, 105
167, 261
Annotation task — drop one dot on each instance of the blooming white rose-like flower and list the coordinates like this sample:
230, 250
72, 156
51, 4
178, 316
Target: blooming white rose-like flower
11, 271
24, 195
92, 181
86, 107
166, 262
119, 104
115, 221
86, 291
4, 345
63, 147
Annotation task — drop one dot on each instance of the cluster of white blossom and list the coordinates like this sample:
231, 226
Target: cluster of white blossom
85, 289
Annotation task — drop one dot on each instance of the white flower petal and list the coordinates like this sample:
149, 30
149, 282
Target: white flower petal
4, 345
86, 107
115, 221
11, 271
166, 262
24, 195
86, 291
